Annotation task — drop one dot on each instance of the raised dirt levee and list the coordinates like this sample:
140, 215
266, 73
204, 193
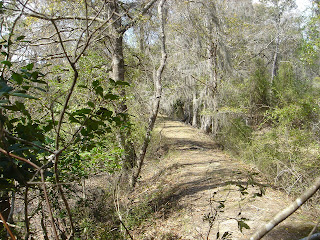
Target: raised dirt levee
196, 193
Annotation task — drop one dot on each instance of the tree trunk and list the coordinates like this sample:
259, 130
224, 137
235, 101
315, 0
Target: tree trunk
141, 38
275, 61
211, 97
195, 103
118, 74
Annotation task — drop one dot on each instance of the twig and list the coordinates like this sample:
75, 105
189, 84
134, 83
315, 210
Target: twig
48, 205
20, 158
26, 219
126, 229
313, 230
66, 103
43, 184
7, 227
12, 225
9, 135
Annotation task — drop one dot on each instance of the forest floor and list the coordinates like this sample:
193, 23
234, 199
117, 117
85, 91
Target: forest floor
196, 190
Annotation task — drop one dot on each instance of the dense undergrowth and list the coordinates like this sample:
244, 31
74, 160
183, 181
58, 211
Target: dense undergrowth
283, 141
107, 212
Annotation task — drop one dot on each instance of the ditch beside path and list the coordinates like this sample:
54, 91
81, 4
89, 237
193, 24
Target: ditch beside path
197, 190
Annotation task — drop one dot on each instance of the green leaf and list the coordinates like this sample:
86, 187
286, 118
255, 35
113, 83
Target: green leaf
8, 63
242, 224
82, 111
90, 104
3, 102
17, 77
35, 75
4, 88
112, 81
4, 53
111, 96
20, 38
104, 112
95, 83
26, 87
84, 132
29, 66
41, 89
73, 119
99, 91
122, 83
38, 81
23, 95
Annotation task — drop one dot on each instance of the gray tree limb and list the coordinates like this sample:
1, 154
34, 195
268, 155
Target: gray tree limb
281, 216
157, 95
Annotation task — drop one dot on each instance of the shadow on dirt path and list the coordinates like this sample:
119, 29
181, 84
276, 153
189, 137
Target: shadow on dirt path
198, 190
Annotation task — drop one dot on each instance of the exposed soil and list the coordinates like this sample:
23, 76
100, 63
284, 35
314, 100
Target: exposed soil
195, 179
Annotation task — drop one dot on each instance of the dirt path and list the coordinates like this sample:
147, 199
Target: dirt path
195, 192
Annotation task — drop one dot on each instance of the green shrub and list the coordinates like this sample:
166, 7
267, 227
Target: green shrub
288, 156
259, 85
235, 135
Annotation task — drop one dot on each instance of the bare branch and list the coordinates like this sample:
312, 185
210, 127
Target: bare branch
136, 19
20, 159
48, 204
7, 227
281, 216
61, 43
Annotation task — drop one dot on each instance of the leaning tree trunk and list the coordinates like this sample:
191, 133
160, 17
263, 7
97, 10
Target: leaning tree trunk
281, 216
157, 95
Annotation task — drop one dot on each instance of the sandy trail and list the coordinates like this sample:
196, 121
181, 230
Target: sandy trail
197, 193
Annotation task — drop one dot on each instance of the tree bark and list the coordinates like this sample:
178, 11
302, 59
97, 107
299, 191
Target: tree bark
195, 106
118, 74
213, 63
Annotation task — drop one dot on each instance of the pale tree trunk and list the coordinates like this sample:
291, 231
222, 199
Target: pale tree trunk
141, 38
195, 106
281, 216
157, 95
